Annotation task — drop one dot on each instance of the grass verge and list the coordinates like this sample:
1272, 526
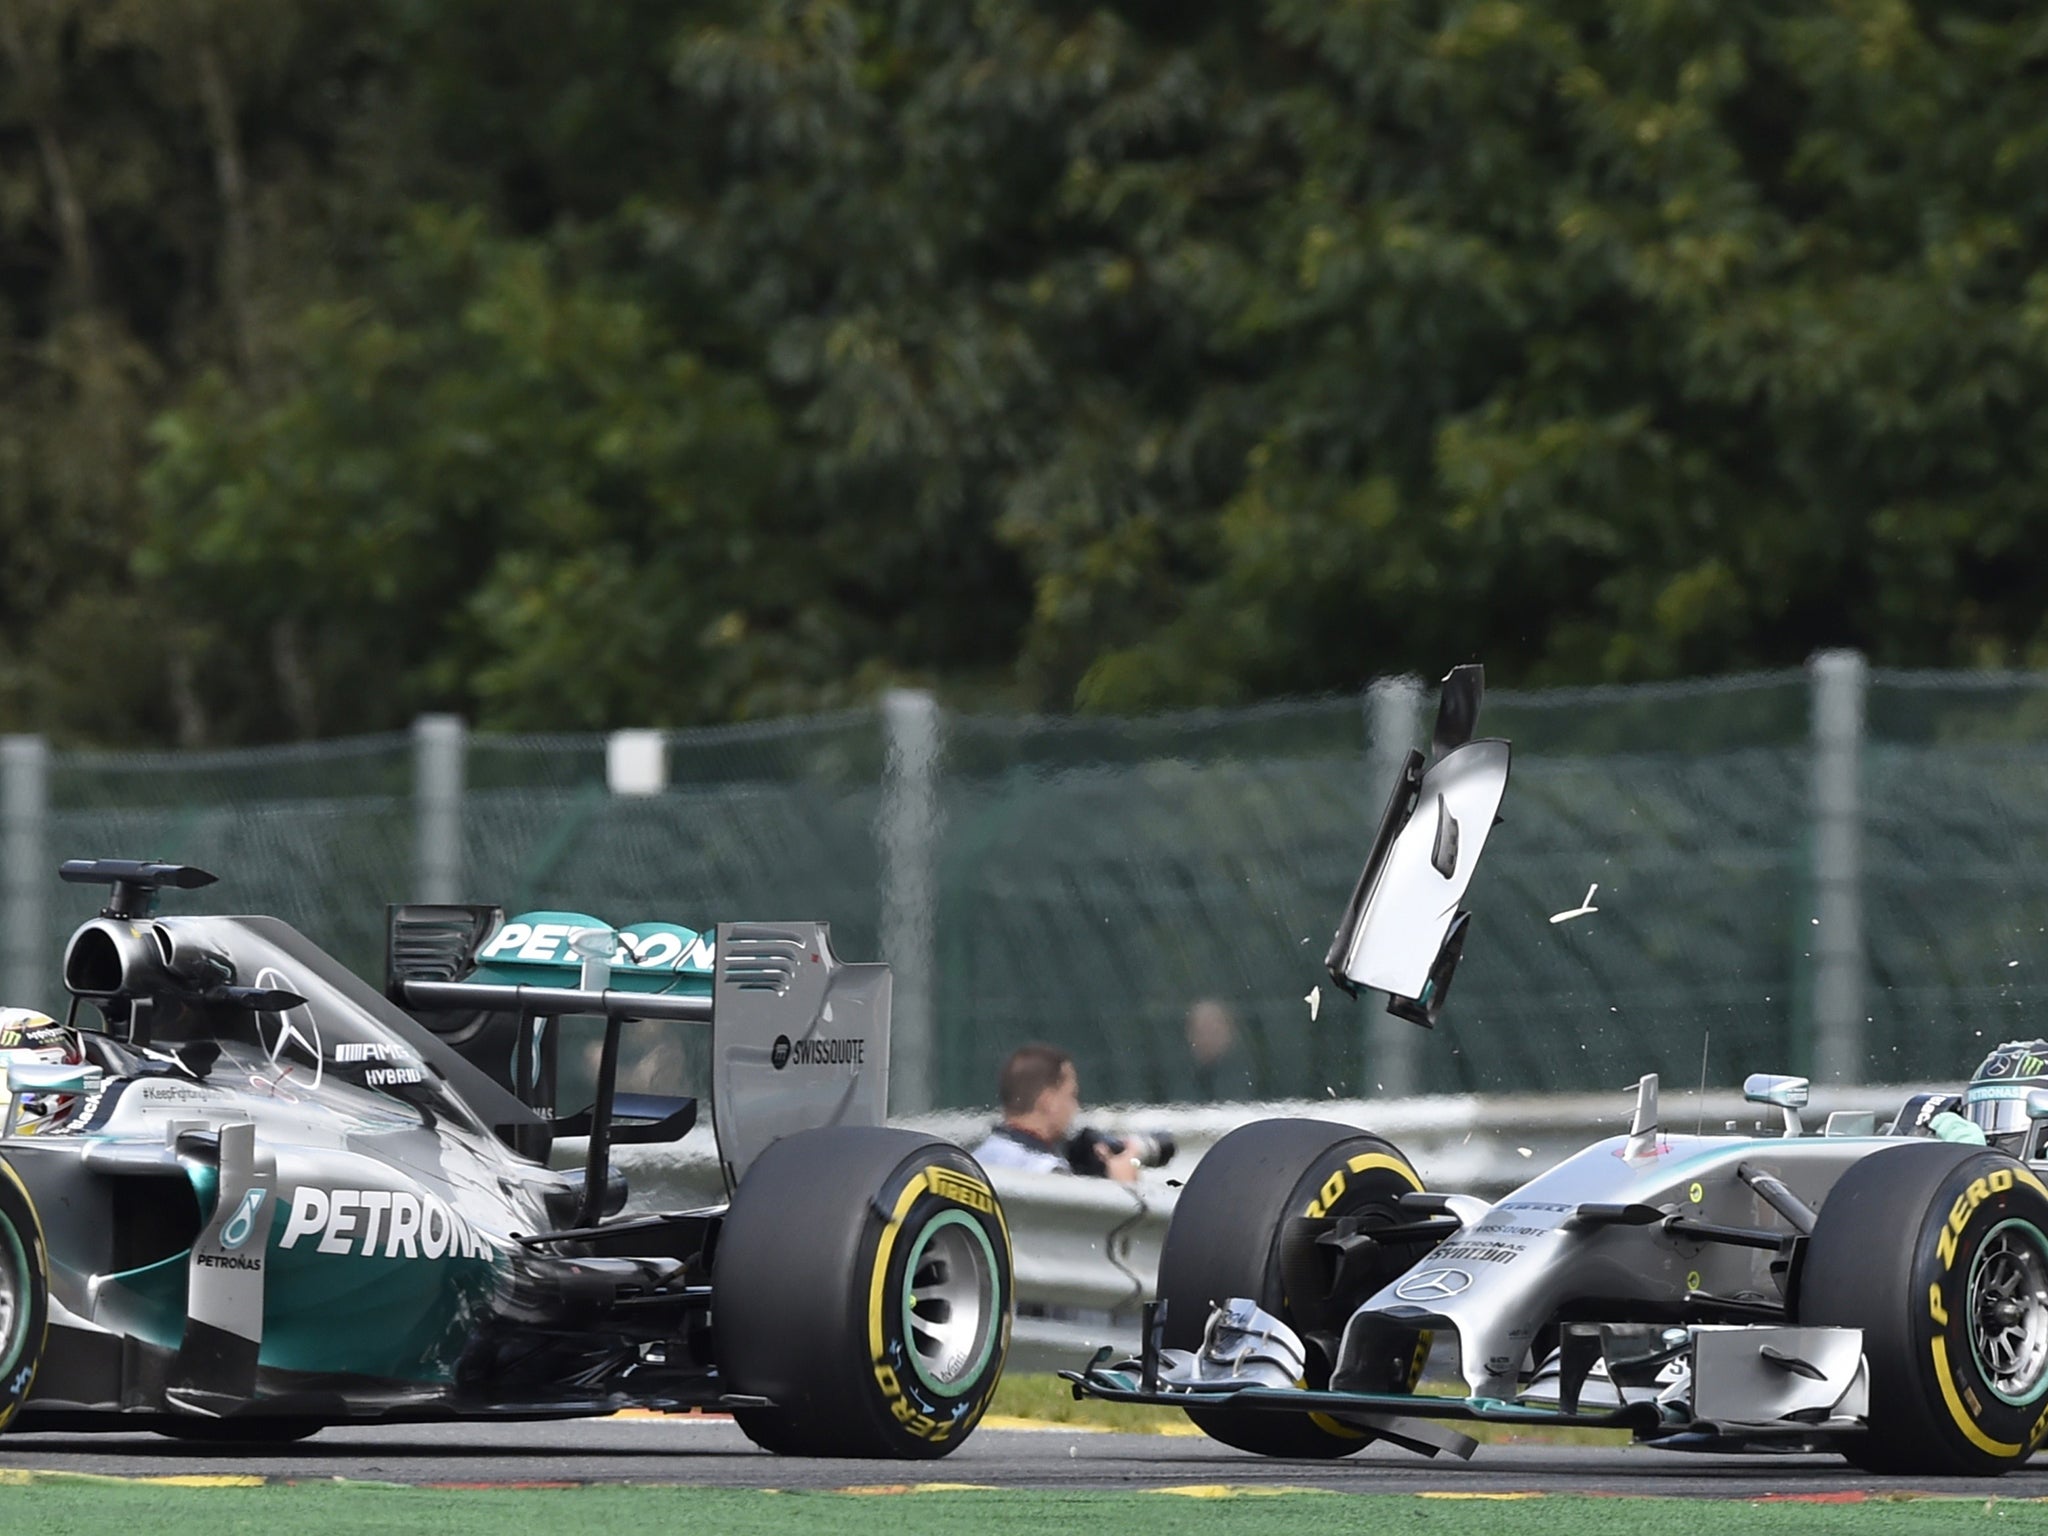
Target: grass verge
91, 1508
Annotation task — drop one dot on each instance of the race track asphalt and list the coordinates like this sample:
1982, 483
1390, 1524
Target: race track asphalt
713, 1453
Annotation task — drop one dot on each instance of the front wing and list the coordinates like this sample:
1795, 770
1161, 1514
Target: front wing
1725, 1387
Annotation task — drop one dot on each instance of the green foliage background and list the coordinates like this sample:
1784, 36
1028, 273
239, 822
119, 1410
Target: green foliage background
576, 363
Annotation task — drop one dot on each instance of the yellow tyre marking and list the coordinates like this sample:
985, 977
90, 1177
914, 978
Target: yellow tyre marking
1335, 1185
1369, 1160
883, 1249
1976, 1193
1964, 1422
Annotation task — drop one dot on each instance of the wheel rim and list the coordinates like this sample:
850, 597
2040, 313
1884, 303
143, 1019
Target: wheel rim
950, 1307
2009, 1312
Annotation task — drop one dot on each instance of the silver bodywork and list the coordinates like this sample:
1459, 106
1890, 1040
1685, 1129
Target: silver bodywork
1529, 1280
1559, 1317
1496, 1282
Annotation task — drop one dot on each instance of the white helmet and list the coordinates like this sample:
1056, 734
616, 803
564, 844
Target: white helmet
32, 1037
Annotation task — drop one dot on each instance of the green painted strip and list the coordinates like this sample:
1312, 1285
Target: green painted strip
69, 1506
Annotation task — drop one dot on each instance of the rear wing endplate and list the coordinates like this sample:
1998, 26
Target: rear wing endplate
799, 1037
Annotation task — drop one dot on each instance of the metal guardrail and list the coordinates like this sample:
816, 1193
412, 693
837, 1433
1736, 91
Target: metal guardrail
1087, 1257
1087, 1250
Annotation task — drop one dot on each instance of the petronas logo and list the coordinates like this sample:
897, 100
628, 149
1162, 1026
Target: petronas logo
236, 1232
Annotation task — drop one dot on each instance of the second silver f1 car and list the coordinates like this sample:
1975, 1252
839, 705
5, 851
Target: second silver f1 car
1881, 1295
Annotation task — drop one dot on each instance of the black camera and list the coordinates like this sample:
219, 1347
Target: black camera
1088, 1149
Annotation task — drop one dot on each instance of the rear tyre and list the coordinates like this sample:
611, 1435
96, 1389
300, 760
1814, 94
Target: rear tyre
862, 1285
1939, 1253
1226, 1240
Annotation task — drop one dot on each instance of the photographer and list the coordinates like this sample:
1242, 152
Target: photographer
1040, 1093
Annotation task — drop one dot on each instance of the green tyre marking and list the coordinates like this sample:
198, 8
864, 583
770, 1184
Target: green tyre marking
966, 1380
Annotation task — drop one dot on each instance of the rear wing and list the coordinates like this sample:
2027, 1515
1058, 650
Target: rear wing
799, 1037
1403, 930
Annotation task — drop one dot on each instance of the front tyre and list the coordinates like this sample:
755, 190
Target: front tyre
1939, 1253
24, 1294
1230, 1227
862, 1285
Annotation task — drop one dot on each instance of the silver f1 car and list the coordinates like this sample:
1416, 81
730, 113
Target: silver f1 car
1883, 1296
276, 1201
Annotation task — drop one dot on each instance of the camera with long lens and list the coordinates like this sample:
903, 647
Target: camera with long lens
1088, 1149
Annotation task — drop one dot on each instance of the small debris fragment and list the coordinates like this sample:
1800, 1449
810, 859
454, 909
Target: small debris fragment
1314, 999
1526, 1151
1581, 909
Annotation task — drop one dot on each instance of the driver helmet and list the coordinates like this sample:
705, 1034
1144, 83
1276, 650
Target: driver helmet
1996, 1100
29, 1036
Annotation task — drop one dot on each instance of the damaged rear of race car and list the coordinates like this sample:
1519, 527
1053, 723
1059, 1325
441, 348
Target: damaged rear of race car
278, 1199
1884, 1296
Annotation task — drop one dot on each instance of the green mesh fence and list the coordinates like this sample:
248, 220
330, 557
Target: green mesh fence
315, 834
772, 820
1096, 879
1099, 880
1955, 866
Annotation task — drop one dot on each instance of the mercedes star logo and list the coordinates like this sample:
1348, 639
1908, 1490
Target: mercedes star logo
1433, 1285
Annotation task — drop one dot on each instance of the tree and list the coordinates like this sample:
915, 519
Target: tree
1057, 356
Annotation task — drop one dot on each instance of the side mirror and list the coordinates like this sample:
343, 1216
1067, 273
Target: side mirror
25, 1077
2037, 1103
51, 1077
1788, 1094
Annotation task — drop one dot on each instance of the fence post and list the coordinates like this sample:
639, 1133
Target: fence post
440, 750
1840, 680
908, 830
1393, 706
25, 971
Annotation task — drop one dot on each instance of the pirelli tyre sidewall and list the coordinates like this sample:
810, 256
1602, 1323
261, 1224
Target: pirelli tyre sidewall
24, 1294
1940, 1254
1226, 1240
862, 1284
